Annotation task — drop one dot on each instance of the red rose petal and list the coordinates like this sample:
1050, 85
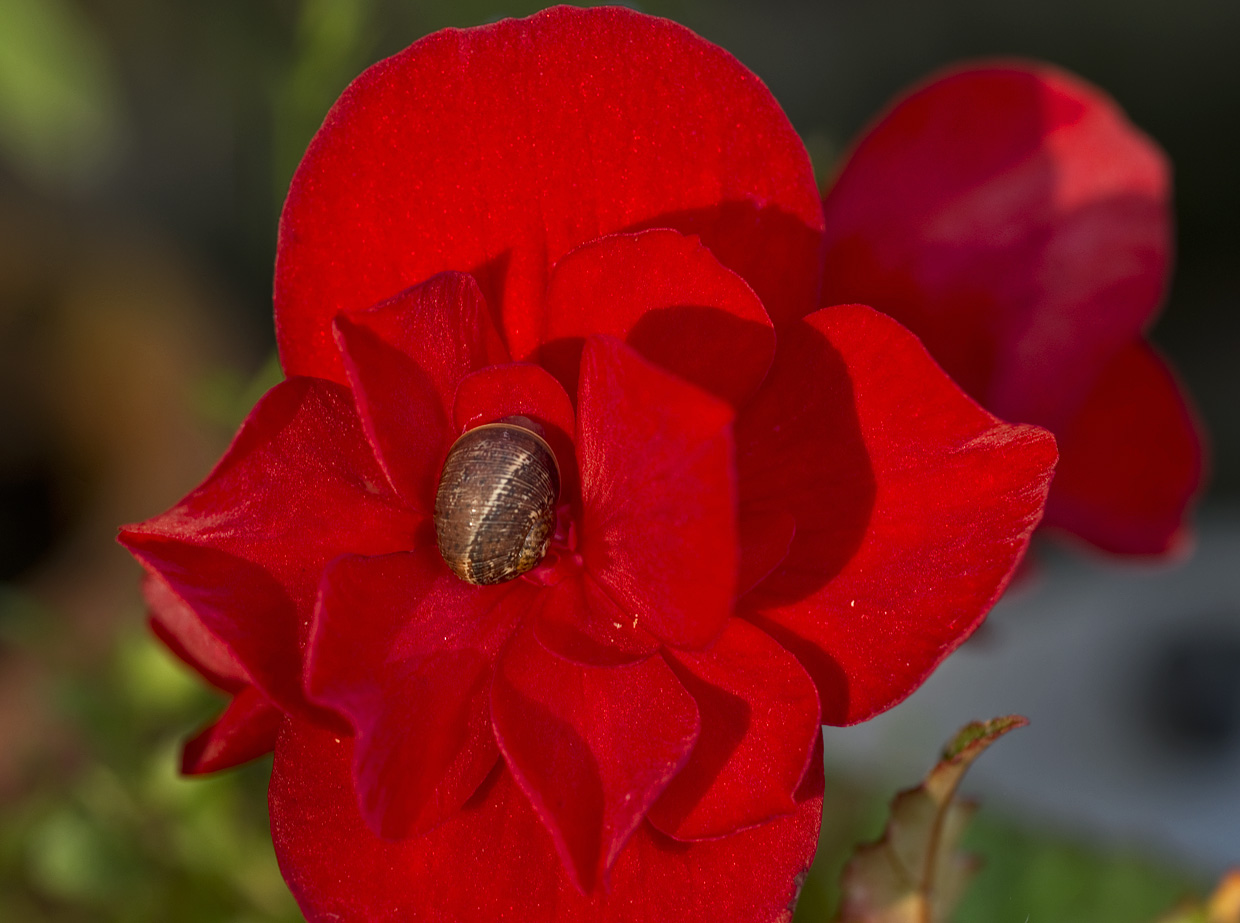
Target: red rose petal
179, 627
955, 493
495, 860
658, 494
579, 621
247, 729
670, 299
522, 389
592, 747
1130, 460
444, 325
244, 550
759, 712
806, 483
405, 650
400, 411
404, 360
766, 538
1013, 219
438, 159
515, 389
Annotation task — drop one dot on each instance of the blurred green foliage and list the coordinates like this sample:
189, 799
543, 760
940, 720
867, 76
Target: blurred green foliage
59, 101
114, 833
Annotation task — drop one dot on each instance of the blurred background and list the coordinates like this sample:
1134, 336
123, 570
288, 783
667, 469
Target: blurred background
145, 148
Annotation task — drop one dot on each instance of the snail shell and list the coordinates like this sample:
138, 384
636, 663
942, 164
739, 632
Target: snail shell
495, 508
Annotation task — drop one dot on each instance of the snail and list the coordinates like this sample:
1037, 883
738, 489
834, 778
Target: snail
496, 504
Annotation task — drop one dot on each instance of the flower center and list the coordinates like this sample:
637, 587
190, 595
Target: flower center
495, 511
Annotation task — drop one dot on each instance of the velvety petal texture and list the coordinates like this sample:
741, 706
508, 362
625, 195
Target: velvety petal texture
759, 717
245, 550
669, 298
404, 360
405, 650
439, 159
598, 226
871, 601
1015, 220
247, 729
611, 738
658, 494
489, 862
179, 627
1131, 459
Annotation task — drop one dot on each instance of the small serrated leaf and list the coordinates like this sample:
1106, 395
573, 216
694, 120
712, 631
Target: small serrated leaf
915, 873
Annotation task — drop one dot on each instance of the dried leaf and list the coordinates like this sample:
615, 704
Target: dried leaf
915, 873
1223, 906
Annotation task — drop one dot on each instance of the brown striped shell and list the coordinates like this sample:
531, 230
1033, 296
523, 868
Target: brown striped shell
495, 508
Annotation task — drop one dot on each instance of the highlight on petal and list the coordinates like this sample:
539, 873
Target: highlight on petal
956, 496
491, 860
245, 549
592, 747
1016, 221
1131, 460
667, 296
405, 651
759, 712
437, 159
658, 494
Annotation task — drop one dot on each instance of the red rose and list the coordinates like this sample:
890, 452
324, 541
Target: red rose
1012, 218
769, 515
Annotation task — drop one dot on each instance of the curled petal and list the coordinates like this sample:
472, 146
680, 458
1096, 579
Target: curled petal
404, 360
515, 389
526, 390
956, 495
759, 713
1130, 459
247, 729
494, 860
658, 494
592, 747
444, 325
1013, 219
405, 651
437, 159
245, 550
179, 627
668, 297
